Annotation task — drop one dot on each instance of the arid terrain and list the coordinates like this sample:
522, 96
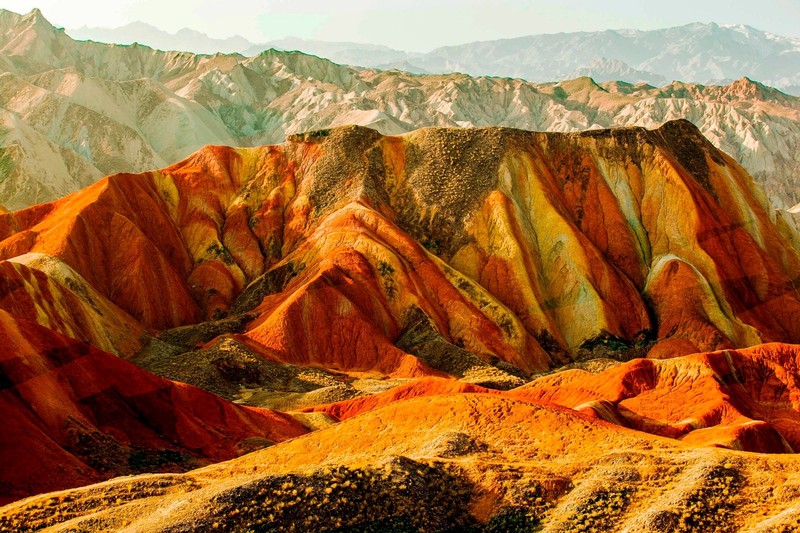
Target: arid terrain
446, 330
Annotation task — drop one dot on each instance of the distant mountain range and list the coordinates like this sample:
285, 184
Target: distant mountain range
185, 39
72, 112
694, 53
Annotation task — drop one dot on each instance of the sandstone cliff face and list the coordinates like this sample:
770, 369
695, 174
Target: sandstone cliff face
523, 248
71, 112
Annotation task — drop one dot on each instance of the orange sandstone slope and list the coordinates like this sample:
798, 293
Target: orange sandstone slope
42, 288
448, 463
74, 415
739, 399
358, 252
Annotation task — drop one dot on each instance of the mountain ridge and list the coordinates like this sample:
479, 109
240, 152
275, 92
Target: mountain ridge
461, 58
203, 257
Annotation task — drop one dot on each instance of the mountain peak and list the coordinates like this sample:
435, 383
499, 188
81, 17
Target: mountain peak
582, 83
745, 87
35, 16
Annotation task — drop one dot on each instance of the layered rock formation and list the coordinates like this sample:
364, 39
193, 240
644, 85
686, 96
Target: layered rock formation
362, 253
72, 112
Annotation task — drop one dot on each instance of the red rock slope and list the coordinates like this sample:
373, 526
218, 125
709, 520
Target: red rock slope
73, 415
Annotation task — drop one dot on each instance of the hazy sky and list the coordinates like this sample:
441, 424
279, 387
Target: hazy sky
415, 25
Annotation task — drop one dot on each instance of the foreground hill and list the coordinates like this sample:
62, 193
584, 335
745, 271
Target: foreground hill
463, 462
72, 112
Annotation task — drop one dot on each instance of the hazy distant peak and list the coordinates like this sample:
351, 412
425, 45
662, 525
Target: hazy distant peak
185, 39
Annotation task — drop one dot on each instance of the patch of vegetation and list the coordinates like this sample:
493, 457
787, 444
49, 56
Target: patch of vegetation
400, 495
710, 506
611, 347
195, 335
153, 460
309, 136
318, 134
432, 245
271, 282
6, 164
398, 524
505, 323
385, 270
218, 250
610, 343
559, 92
512, 520
600, 511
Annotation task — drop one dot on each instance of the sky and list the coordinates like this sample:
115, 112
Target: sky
411, 25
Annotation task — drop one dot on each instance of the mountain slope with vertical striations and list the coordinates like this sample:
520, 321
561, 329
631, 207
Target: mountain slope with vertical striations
358, 252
